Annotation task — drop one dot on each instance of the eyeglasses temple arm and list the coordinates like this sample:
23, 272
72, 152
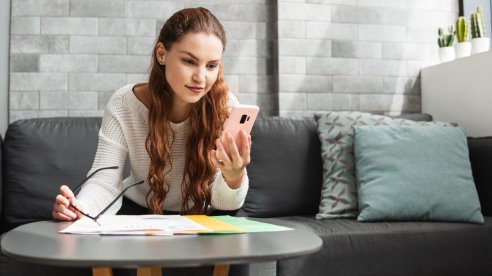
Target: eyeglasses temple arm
114, 200
88, 177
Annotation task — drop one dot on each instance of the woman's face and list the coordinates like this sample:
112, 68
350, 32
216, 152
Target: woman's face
192, 67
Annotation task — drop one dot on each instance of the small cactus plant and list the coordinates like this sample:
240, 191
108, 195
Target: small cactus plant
445, 40
462, 29
476, 20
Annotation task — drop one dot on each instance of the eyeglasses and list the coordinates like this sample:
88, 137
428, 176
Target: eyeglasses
94, 218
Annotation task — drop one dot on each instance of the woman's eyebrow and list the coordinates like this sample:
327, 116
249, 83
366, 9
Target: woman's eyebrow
194, 57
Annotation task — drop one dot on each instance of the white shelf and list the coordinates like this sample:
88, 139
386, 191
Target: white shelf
460, 91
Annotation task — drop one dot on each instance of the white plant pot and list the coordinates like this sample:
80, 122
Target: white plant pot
463, 49
446, 54
480, 44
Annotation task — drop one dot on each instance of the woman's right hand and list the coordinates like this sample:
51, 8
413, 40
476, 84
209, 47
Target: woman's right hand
62, 209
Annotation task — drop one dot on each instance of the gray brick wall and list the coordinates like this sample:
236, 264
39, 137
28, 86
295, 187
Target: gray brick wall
289, 57
356, 55
68, 56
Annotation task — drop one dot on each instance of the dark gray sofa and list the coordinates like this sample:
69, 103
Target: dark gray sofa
285, 183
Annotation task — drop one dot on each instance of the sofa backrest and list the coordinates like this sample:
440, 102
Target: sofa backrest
481, 162
286, 168
39, 156
285, 173
42, 154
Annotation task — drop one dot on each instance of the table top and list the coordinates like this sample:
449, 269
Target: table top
40, 242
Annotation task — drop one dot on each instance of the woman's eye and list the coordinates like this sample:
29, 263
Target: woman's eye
188, 61
212, 66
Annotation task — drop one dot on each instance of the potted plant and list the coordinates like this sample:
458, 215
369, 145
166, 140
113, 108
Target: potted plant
480, 43
463, 47
445, 42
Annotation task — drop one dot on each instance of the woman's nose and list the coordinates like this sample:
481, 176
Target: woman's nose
199, 75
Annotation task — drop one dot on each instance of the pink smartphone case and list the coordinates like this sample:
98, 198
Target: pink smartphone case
242, 117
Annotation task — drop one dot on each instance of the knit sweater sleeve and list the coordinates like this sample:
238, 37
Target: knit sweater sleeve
225, 198
112, 150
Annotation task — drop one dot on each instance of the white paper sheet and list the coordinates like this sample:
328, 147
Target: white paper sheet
135, 225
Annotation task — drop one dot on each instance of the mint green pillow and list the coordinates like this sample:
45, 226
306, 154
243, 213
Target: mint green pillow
414, 173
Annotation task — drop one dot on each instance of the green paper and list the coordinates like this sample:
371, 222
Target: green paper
250, 226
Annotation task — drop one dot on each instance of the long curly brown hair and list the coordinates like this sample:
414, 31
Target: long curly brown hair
206, 120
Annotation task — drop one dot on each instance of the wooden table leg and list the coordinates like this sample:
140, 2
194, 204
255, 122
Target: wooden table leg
149, 271
102, 271
221, 270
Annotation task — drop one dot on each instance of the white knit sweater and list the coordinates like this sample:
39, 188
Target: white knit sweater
123, 132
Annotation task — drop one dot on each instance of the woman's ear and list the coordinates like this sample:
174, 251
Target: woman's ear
160, 53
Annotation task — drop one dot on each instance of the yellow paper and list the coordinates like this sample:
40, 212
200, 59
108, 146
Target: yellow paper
216, 225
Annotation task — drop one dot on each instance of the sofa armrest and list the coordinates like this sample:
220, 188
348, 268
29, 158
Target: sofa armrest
1, 182
481, 162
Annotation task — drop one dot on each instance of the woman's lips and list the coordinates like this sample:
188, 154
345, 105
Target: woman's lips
195, 89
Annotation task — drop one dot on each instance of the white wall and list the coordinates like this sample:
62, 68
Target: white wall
464, 99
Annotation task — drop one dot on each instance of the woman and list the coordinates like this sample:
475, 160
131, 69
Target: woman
170, 128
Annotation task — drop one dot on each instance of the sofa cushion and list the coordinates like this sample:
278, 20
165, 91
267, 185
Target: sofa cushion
285, 169
481, 159
339, 193
414, 173
41, 155
392, 248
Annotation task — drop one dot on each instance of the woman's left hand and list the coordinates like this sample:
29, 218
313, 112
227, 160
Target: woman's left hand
232, 159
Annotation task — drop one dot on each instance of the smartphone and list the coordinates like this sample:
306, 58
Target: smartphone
242, 117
